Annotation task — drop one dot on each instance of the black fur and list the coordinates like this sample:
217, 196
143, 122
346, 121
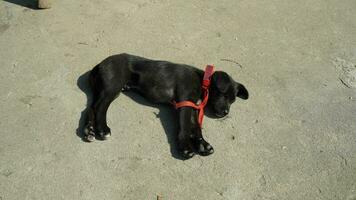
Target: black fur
159, 82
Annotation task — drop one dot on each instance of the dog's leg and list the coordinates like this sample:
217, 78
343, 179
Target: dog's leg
89, 134
202, 146
105, 90
89, 129
185, 132
100, 112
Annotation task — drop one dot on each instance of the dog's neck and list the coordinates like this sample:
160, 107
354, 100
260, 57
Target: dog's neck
200, 73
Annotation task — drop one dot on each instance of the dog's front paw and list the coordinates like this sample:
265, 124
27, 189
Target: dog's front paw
188, 153
185, 148
89, 134
203, 147
103, 134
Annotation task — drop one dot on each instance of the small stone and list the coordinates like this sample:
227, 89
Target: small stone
233, 137
256, 121
351, 98
284, 147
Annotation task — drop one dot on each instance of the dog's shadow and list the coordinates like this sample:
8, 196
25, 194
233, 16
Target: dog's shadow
166, 114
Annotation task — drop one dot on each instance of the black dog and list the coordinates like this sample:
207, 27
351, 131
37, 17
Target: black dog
160, 82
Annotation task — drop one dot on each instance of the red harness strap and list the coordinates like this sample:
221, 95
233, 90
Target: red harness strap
209, 70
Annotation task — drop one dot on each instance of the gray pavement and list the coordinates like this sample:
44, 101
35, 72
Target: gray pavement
295, 138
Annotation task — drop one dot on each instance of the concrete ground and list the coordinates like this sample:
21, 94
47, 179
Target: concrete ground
295, 138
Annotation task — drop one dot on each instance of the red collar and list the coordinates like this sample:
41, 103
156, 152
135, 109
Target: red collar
209, 71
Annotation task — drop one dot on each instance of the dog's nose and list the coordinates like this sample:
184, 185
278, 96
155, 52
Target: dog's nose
226, 112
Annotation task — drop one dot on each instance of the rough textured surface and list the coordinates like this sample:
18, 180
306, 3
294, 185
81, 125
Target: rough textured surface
44, 3
295, 138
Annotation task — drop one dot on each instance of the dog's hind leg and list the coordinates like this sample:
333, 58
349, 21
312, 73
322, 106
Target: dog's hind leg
105, 90
97, 125
89, 134
100, 112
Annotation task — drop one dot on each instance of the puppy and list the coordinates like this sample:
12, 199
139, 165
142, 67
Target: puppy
160, 82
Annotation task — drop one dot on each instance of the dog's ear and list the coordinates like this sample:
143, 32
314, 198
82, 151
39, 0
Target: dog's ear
241, 91
221, 81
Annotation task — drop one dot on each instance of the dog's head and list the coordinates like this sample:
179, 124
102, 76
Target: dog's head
223, 92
